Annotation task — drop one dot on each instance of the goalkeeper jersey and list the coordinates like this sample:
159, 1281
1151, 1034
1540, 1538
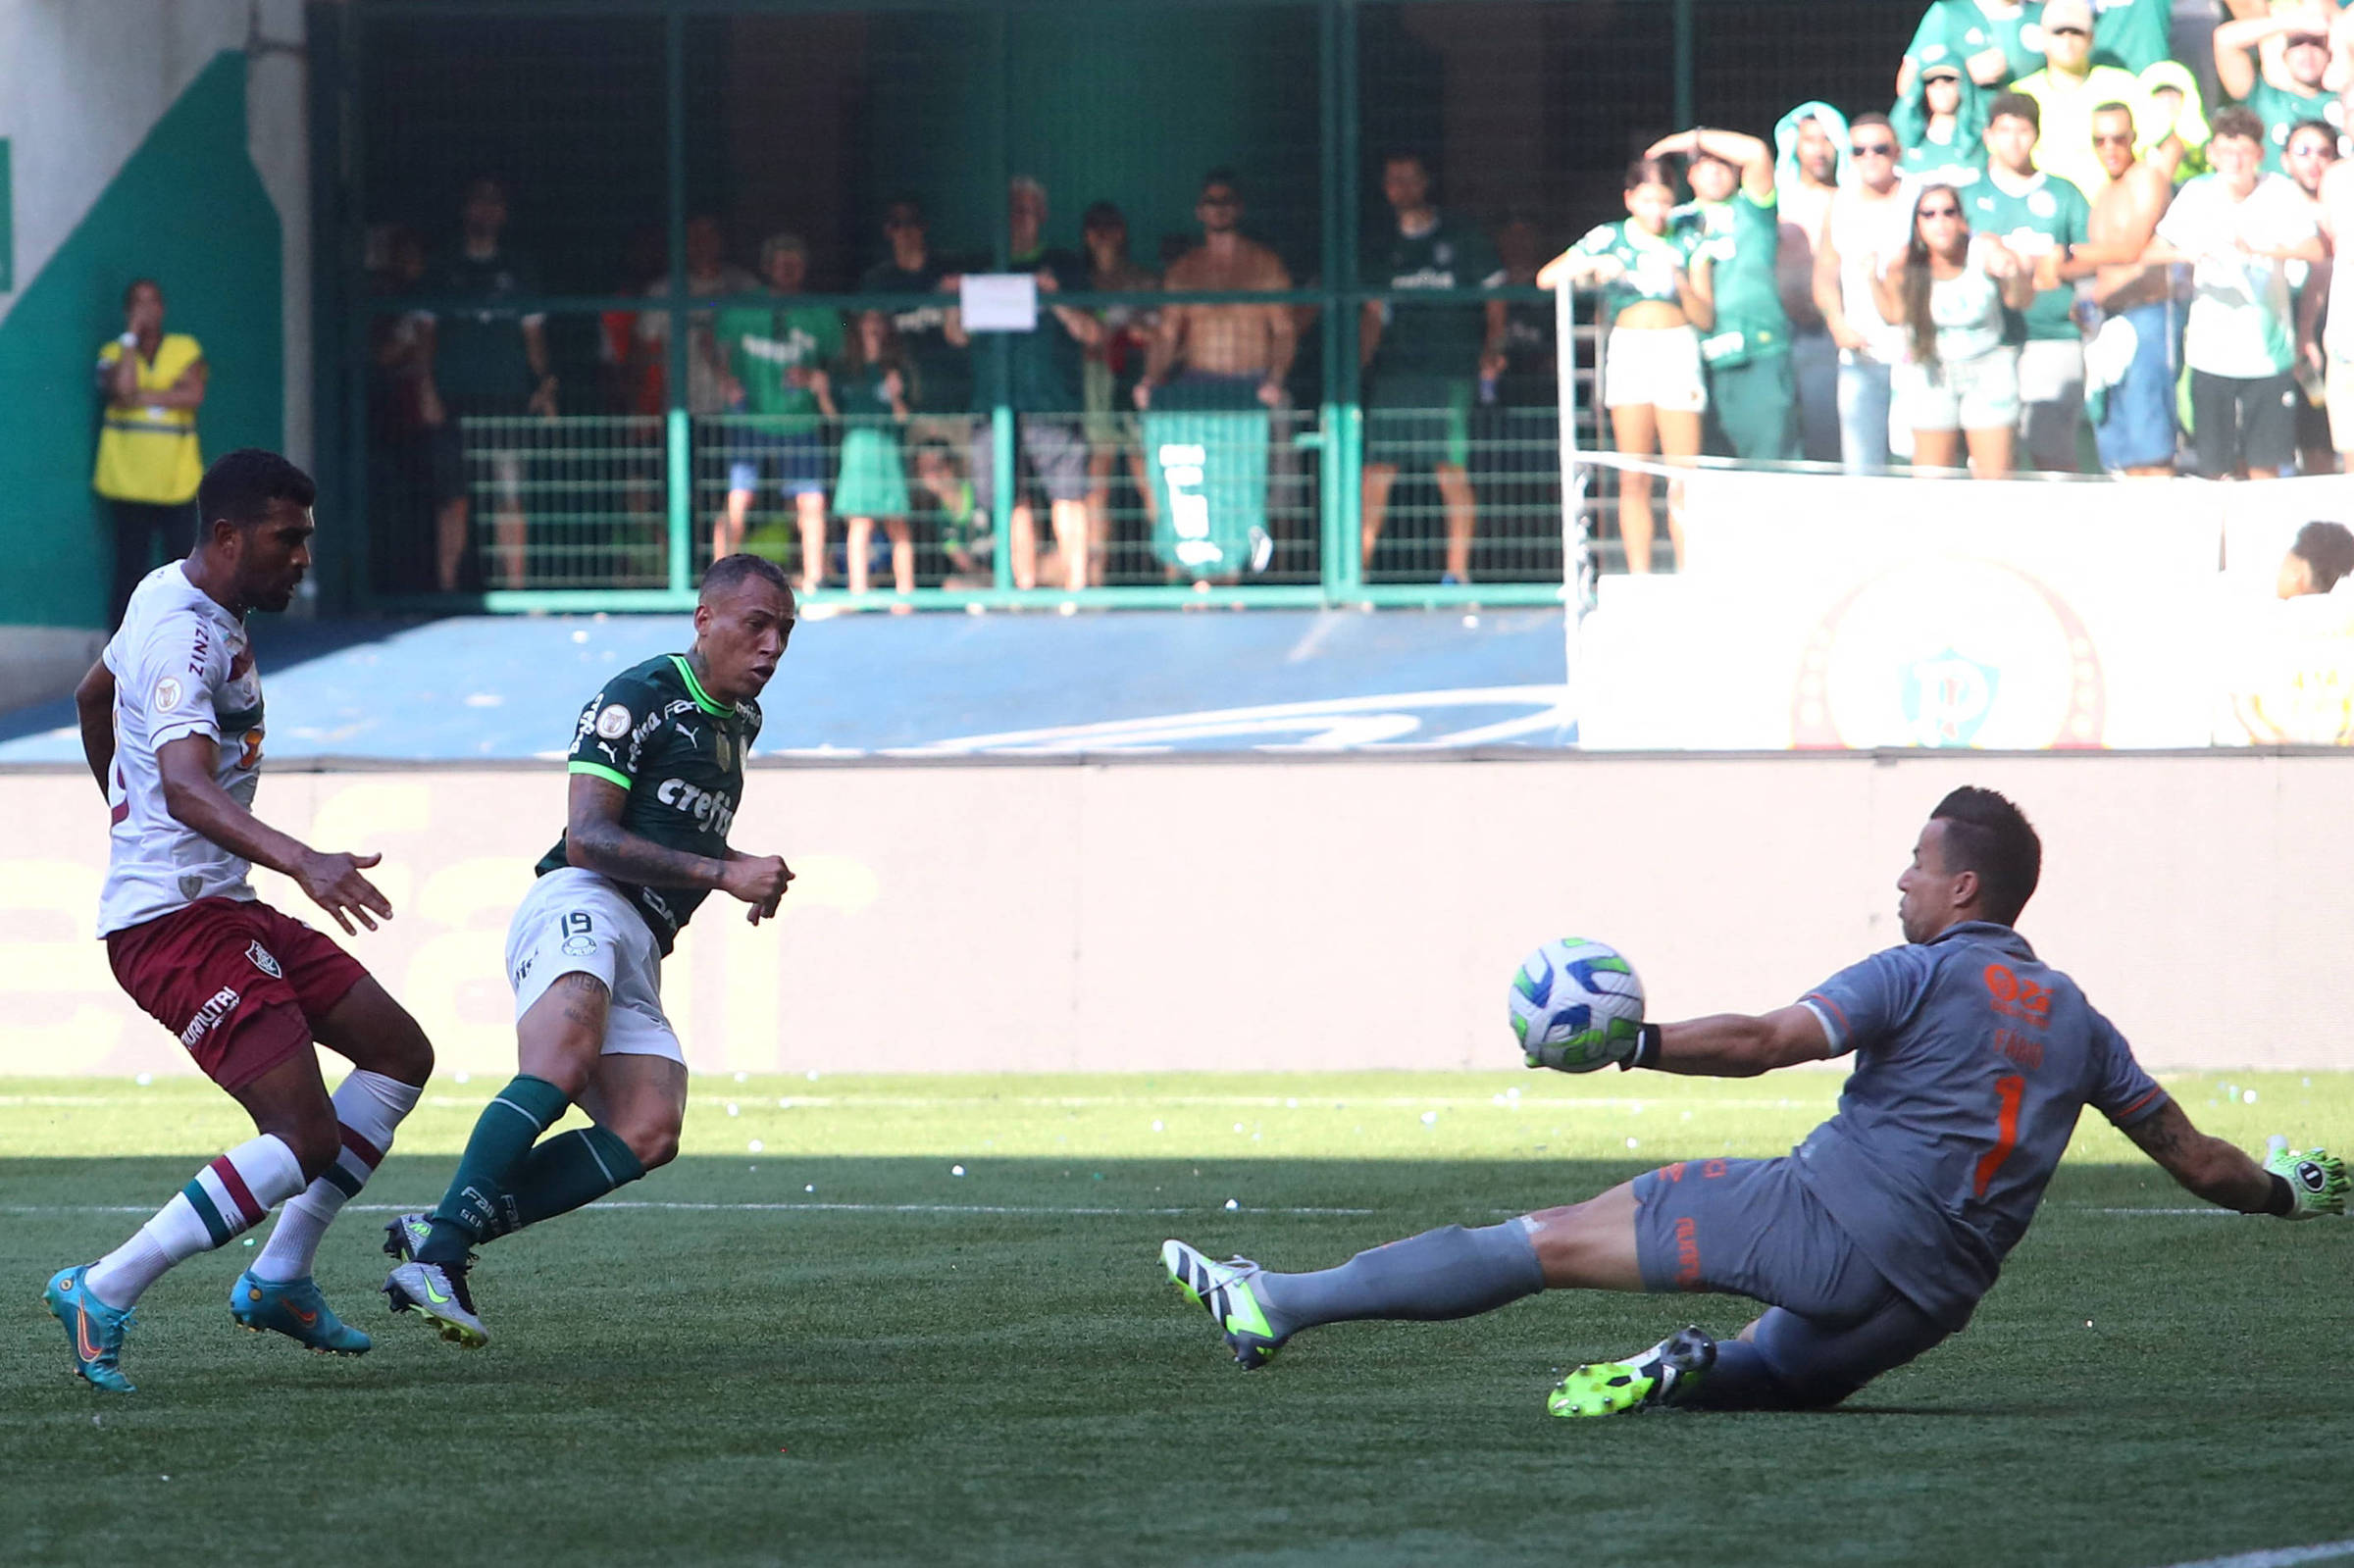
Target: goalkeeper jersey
1973, 1062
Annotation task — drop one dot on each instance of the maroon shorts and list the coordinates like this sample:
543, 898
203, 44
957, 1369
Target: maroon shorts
240, 983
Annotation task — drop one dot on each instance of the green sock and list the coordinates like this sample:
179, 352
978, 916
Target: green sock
569, 1170
478, 1204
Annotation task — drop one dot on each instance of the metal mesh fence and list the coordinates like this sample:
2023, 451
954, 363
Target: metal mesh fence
819, 164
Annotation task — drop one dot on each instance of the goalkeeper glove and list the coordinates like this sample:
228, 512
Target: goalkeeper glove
2316, 1180
1623, 1043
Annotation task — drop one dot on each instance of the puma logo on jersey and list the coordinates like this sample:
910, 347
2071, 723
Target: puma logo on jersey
713, 811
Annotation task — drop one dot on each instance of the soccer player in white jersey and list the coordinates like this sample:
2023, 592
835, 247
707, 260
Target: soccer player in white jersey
1875, 1238
172, 725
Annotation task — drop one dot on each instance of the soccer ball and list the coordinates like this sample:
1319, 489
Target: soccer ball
1576, 1005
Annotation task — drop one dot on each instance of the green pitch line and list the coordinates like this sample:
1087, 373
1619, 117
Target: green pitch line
1639, 1119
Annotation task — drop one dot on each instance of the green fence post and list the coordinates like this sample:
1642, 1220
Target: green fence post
1003, 478
1343, 420
679, 469
1686, 90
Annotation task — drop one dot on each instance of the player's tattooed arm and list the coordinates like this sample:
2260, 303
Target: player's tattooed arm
595, 841
2220, 1172
94, 706
196, 801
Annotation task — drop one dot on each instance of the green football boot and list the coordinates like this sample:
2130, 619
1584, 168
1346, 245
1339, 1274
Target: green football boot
295, 1309
95, 1328
1647, 1380
1223, 1291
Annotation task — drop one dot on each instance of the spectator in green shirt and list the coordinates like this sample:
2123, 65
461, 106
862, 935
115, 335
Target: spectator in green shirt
1043, 367
1654, 279
1753, 394
1942, 126
2039, 219
1996, 40
488, 364
2305, 60
777, 356
2133, 34
1424, 358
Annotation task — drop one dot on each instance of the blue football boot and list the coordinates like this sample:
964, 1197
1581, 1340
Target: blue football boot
295, 1309
96, 1329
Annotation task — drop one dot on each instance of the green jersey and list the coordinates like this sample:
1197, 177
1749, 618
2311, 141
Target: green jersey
766, 345
2045, 215
1651, 260
656, 733
2132, 34
1936, 163
1965, 29
1741, 239
1438, 339
943, 379
2280, 111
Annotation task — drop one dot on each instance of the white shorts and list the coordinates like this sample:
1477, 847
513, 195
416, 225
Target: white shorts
1972, 394
575, 921
1659, 366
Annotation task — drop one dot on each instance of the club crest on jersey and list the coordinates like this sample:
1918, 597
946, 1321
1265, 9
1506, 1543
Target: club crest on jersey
262, 961
613, 722
191, 884
168, 692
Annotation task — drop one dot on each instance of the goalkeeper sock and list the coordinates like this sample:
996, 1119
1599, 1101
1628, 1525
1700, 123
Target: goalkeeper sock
478, 1204
569, 1170
1447, 1273
369, 1106
223, 1201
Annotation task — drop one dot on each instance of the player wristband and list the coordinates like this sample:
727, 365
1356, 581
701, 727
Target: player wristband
1647, 1054
2283, 1200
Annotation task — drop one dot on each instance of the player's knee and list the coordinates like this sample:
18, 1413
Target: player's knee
315, 1140
654, 1143
408, 1055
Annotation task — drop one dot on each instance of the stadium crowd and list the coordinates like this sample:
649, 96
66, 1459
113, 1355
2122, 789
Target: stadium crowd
2047, 252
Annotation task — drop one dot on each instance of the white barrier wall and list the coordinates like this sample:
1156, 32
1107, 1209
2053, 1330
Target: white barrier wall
1282, 914
1816, 610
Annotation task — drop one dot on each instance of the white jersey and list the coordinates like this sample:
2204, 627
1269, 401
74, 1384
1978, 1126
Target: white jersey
182, 667
1867, 234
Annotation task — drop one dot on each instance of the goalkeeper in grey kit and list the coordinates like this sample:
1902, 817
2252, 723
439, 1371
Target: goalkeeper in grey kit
1874, 1239
657, 770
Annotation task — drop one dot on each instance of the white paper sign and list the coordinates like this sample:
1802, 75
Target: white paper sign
999, 302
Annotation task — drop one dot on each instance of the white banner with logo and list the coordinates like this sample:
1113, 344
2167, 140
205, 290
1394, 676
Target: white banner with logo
1823, 611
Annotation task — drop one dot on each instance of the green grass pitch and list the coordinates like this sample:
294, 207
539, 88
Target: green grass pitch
811, 1342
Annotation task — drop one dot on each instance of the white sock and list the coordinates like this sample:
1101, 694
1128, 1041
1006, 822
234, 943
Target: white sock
369, 1105
226, 1199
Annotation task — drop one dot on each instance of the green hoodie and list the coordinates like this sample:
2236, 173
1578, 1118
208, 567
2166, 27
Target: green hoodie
1959, 162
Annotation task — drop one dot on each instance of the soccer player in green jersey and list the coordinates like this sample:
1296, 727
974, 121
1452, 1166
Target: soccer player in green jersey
657, 771
1753, 395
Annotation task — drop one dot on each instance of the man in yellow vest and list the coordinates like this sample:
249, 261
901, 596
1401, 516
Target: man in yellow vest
148, 461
